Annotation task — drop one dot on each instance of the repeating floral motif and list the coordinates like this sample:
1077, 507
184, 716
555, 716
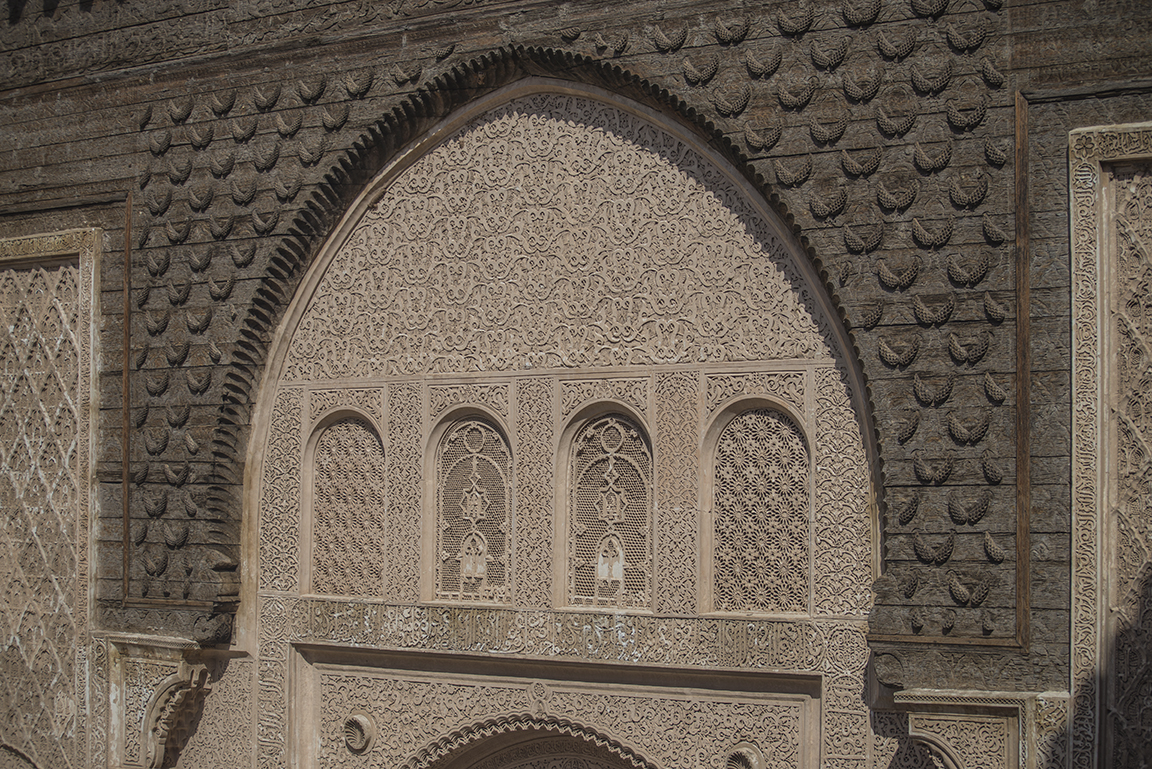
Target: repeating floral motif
677, 438
1088, 149
843, 531
574, 394
762, 492
403, 489
515, 228
349, 542
535, 471
440, 398
983, 742
141, 680
45, 402
321, 402
280, 495
668, 728
788, 387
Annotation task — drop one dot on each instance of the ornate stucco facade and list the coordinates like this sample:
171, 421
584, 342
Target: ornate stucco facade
505, 384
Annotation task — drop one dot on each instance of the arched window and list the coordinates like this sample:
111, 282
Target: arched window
760, 515
610, 515
348, 541
473, 513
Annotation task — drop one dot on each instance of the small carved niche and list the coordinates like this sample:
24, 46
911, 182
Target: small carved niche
610, 515
473, 513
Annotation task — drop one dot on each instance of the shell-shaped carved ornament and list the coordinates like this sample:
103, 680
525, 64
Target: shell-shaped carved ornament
764, 65
155, 561
155, 441
980, 594
177, 353
220, 226
828, 204
897, 279
898, 354
969, 351
178, 232
967, 40
288, 123
995, 311
223, 102
156, 322
796, 20
180, 109
616, 43
243, 129
862, 163
200, 259
908, 511
894, 126
931, 395
265, 157
972, 431
179, 476
667, 42
828, 131
795, 173
222, 164
177, 416
991, 468
732, 101
993, 390
900, 198
930, 82
796, 94
965, 117
242, 256
992, 233
730, 31
157, 263
968, 193
862, 86
176, 534
933, 472
198, 381
962, 513
935, 237
935, 315
938, 554
160, 142
870, 315
970, 272
570, 34
179, 171
908, 428
357, 84
860, 13
959, 593
764, 137
335, 116
221, 291
700, 72
310, 90
861, 239
199, 198
831, 56
895, 48
200, 137
933, 9
992, 76
909, 587
932, 161
994, 552
266, 96
996, 153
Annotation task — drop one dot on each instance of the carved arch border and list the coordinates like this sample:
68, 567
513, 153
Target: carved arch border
527, 64
432, 755
1089, 149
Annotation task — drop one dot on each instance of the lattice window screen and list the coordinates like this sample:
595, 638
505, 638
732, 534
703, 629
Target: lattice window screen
473, 514
349, 536
610, 512
761, 485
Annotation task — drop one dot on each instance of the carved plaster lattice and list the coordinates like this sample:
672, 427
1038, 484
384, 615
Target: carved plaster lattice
574, 394
842, 543
46, 339
666, 728
494, 290
535, 470
368, 401
280, 494
349, 539
403, 489
788, 387
610, 515
678, 472
1109, 259
474, 525
443, 397
762, 496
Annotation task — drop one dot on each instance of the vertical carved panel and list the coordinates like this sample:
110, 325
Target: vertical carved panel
610, 515
1131, 517
761, 502
45, 311
473, 513
843, 537
223, 737
272, 699
349, 541
404, 474
677, 439
280, 496
535, 404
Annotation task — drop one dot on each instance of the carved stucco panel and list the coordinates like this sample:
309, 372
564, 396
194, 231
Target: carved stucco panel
280, 494
1108, 363
223, 737
46, 342
502, 248
535, 450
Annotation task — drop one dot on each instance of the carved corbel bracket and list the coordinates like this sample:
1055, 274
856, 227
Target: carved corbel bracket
170, 711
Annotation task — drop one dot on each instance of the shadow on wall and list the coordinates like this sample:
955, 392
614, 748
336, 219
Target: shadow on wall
1127, 714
